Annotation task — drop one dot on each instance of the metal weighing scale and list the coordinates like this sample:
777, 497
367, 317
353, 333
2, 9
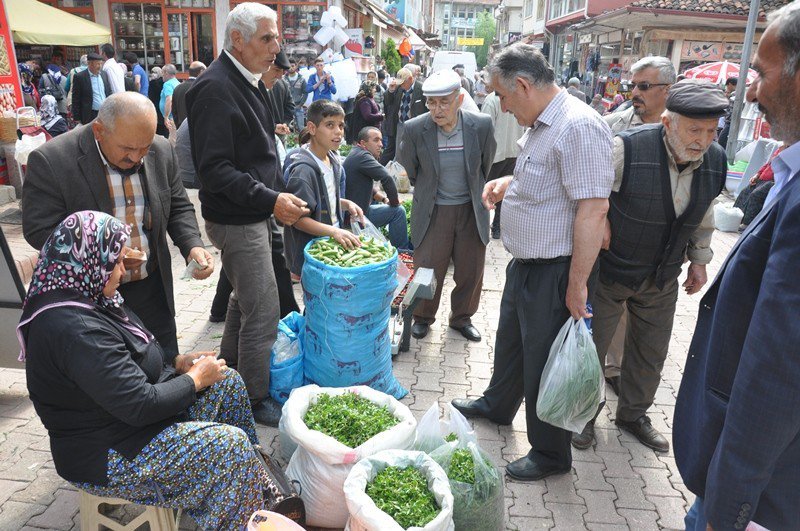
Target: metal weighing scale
421, 287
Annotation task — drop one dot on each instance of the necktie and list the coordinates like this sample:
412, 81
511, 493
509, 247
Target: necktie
405, 106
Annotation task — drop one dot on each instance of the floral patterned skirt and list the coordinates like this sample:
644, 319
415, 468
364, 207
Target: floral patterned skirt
207, 466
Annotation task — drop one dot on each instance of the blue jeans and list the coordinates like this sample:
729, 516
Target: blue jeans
695, 519
300, 118
395, 218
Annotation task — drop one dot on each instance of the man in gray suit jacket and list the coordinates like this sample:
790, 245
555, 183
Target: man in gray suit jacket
131, 174
448, 153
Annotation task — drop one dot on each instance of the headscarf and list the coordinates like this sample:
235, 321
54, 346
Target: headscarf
367, 90
26, 74
48, 110
155, 73
74, 265
55, 71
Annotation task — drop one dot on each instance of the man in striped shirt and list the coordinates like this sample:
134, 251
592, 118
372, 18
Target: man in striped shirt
554, 210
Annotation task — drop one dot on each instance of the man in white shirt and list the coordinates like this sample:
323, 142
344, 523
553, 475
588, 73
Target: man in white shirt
111, 67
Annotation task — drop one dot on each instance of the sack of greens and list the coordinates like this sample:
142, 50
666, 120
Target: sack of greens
395, 490
571, 387
334, 428
433, 432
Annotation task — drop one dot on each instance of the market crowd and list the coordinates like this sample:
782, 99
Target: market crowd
603, 210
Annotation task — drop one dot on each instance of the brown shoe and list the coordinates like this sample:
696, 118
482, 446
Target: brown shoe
643, 430
584, 439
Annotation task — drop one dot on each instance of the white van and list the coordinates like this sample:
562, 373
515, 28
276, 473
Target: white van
446, 60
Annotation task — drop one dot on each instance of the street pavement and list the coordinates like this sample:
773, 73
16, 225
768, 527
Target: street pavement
616, 484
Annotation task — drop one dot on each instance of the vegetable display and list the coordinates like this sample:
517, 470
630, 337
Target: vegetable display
349, 418
330, 252
403, 494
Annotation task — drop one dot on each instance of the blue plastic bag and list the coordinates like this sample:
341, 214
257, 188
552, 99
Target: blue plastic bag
287, 374
347, 312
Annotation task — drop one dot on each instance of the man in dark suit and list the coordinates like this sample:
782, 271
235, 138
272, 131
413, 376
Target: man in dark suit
737, 417
119, 167
89, 89
448, 153
402, 101
179, 94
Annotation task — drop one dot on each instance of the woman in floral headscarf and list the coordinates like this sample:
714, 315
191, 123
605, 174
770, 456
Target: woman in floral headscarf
123, 419
30, 96
51, 120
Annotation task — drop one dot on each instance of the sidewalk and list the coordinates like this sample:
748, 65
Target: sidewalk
618, 484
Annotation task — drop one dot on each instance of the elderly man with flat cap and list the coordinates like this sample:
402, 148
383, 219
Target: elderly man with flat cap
448, 153
660, 215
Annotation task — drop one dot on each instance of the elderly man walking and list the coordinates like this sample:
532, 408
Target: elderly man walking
448, 153
666, 179
118, 166
737, 416
554, 210
402, 101
233, 144
574, 89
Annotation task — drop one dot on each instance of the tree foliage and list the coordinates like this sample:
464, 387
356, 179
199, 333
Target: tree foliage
485, 27
391, 56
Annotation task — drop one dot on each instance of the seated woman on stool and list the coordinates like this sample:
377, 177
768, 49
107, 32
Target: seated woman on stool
124, 421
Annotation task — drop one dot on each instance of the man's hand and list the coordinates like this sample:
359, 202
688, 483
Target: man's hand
204, 260
696, 278
393, 85
494, 191
184, 362
356, 214
606, 236
380, 197
282, 129
346, 239
577, 296
289, 208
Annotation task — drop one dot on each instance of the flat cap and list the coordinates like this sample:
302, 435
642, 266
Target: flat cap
281, 61
697, 99
94, 56
441, 83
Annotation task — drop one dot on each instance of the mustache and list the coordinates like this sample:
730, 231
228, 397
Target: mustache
637, 99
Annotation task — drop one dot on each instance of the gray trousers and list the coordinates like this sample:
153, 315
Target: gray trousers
251, 323
613, 365
650, 316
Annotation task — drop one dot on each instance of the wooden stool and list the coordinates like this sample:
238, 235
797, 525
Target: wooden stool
158, 518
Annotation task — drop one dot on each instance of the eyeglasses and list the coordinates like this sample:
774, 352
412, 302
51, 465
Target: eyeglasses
444, 104
645, 86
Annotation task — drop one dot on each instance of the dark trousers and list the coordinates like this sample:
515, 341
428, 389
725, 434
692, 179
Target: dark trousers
452, 234
532, 312
389, 151
500, 169
148, 299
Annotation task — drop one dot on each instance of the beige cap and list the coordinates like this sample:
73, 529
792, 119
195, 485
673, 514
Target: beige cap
403, 74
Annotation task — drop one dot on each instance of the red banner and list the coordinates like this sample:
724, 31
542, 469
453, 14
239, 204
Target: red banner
10, 89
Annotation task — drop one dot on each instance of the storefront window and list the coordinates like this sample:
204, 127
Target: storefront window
139, 28
203, 4
560, 8
299, 24
75, 3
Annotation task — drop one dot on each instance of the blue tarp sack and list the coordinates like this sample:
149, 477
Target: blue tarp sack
286, 361
347, 313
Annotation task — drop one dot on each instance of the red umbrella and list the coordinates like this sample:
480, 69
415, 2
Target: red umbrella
718, 72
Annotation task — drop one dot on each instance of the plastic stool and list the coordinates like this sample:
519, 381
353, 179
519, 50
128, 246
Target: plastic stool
158, 518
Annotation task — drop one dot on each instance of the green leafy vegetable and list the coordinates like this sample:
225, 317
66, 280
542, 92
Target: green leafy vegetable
350, 419
462, 467
451, 437
403, 494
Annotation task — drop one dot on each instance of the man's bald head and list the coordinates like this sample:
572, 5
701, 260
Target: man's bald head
196, 68
133, 107
124, 128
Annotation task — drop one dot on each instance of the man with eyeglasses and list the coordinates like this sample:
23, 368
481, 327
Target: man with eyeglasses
652, 77
667, 177
119, 166
448, 154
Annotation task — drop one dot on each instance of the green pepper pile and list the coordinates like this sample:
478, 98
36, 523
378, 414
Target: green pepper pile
403, 494
329, 251
350, 419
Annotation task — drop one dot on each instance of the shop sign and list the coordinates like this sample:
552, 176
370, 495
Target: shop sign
10, 89
462, 22
585, 39
702, 51
614, 78
355, 44
514, 36
469, 41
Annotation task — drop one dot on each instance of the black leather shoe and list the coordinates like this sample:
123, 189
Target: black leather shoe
216, 318
495, 233
468, 331
476, 409
613, 381
267, 412
643, 430
584, 439
526, 469
420, 330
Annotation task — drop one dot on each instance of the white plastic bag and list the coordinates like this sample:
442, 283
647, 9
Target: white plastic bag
25, 145
368, 230
727, 218
398, 172
321, 463
431, 430
365, 515
571, 386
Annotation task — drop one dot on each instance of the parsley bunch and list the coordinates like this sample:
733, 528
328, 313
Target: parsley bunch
403, 494
349, 418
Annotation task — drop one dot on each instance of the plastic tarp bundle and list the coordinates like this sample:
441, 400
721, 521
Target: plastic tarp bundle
572, 385
347, 339
365, 515
727, 217
321, 463
286, 361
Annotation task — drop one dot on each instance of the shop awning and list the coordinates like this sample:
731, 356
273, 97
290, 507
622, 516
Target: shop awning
35, 23
416, 42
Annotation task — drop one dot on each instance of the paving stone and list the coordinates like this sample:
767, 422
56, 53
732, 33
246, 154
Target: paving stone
656, 482
428, 381
8, 488
590, 476
670, 511
14, 515
561, 489
608, 441
43, 488
640, 520
59, 513
528, 499
642, 456
630, 494
601, 509
455, 375
452, 391
607, 527
567, 516
617, 465
524, 523
587, 456
426, 364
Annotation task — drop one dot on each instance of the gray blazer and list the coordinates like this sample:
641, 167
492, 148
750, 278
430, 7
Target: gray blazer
66, 175
419, 155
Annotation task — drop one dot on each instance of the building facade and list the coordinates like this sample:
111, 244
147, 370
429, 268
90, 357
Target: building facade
456, 21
